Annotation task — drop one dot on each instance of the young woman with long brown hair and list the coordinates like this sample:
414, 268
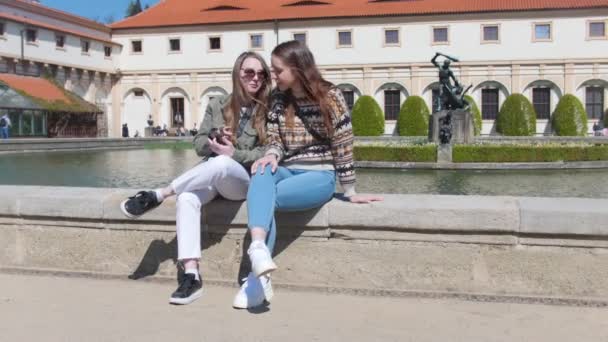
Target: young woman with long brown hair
310, 141
229, 140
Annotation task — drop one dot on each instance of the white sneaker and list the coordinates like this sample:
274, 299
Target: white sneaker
253, 292
261, 261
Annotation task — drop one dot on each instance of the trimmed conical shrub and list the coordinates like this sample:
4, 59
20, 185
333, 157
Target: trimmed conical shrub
516, 117
569, 117
368, 118
476, 114
413, 117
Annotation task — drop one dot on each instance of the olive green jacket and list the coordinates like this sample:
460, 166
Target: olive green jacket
247, 149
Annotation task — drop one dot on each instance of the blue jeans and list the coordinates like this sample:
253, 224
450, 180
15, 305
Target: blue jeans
286, 190
4, 132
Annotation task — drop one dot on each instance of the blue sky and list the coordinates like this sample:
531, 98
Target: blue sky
97, 10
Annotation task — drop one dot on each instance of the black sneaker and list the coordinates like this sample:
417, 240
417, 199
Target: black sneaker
188, 290
139, 204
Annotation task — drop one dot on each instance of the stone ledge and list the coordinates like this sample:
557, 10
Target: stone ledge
417, 214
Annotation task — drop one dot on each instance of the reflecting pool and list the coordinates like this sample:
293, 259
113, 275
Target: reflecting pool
154, 168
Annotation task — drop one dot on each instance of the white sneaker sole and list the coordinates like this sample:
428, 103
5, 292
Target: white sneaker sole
242, 306
185, 301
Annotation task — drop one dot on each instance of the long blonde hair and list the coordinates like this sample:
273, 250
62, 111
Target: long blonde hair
240, 97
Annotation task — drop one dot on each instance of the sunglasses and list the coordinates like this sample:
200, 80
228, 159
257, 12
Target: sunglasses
250, 74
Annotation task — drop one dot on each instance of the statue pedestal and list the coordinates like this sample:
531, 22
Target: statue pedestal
463, 130
444, 153
148, 132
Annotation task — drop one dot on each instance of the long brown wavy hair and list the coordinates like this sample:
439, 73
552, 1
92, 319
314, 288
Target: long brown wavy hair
240, 98
301, 61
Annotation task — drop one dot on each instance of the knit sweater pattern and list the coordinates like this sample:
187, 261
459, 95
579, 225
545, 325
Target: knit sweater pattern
295, 144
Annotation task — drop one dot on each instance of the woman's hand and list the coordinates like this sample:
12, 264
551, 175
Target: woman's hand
225, 149
269, 159
364, 198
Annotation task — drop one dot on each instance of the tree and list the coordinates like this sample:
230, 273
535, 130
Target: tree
413, 117
367, 117
570, 117
477, 122
133, 8
516, 117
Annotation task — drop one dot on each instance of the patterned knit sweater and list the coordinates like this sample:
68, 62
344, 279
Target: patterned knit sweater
296, 146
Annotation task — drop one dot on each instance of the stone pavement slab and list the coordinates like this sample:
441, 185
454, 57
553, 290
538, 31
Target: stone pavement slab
44, 308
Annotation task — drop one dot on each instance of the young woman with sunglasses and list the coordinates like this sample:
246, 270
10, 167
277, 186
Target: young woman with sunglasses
229, 140
310, 141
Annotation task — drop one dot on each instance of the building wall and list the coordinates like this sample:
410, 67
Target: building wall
44, 50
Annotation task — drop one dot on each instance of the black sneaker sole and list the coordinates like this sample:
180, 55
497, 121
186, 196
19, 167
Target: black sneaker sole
185, 301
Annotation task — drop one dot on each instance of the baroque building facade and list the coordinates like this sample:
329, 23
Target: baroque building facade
169, 60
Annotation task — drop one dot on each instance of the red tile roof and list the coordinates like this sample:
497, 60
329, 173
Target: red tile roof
47, 95
41, 24
34, 86
194, 12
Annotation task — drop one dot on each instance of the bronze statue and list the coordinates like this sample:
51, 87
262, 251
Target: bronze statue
451, 96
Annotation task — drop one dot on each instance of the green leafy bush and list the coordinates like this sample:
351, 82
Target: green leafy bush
476, 114
569, 117
413, 117
527, 153
416, 153
517, 117
367, 117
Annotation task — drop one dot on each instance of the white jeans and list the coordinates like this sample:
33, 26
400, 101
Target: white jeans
197, 187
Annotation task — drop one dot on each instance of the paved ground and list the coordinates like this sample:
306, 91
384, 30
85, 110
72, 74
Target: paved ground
37, 308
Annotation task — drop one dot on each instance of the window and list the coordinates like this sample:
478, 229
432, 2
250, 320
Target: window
107, 50
489, 34
440, 35
392, 104
349, 96
1, 29
435, 100
84, 46
31, 35
594, 102
59, 41
391, 37
596, 30
345, 38
175, 45
301, 37
542, 32
136, 46
256, 41
541, 98
489, 104
215, 43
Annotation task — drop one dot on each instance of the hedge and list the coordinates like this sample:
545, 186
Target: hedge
527, 153
569, 117
417, 153
413, 117
516, 117
367, 117
476, 114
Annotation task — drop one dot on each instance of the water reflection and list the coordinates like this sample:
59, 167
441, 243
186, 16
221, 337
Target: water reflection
155, 168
